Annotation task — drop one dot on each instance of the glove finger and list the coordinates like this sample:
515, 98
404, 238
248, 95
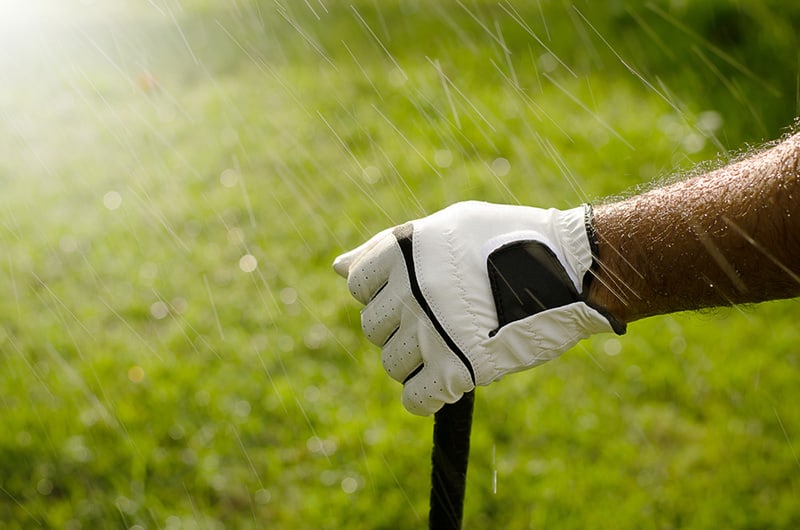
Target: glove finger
401, 354
370, 270
380, 318
427, 391
343, 262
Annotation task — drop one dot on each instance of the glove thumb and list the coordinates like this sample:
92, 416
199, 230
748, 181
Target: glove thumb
343, 262
542, 337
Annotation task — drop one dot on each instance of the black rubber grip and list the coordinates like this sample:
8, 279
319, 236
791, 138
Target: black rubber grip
451, 434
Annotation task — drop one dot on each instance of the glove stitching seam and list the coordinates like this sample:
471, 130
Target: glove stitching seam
452, 269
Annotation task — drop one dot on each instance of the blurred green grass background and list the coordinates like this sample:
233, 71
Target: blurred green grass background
176, 352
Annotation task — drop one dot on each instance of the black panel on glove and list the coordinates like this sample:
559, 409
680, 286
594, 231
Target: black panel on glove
526, 277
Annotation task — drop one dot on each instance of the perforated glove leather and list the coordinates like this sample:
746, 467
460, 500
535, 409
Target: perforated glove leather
473, 292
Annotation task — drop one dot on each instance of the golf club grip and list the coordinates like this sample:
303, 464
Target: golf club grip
451, 432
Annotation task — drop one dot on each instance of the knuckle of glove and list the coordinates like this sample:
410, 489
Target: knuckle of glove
380, 318
401, 355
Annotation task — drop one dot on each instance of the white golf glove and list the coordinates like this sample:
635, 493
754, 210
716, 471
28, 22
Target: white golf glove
474, 292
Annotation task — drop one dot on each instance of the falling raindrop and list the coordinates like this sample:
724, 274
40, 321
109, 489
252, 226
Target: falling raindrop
75, 448
548, 62
136, 374
316, 336
371, 174
189, 457
262, 496
148, 271
176, 432
166, 113
285, 343
288, 295
219, 482
677, 345
112, 200
229, 178
235, 235
311, 393
180, 304
328, 477
397, 78
68, 244
159, 310
443, 158
314, 444
228, 137
202, 397
709, 121
24, 438
242, 408
501, 167
329, 446
248, 263
612, 347
349, 485
45, 486
89, 417
693, 142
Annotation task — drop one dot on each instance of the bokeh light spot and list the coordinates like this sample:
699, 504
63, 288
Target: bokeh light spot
248, 263
229, 178
112, 200
136, 374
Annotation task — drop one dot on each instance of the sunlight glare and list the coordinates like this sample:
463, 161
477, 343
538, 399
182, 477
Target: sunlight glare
23, 22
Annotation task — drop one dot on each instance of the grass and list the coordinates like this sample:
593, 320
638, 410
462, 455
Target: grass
149, 381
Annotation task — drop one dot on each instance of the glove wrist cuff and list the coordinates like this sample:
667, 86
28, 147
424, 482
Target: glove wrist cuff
619, 327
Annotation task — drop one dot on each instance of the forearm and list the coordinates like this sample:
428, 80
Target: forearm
726, 237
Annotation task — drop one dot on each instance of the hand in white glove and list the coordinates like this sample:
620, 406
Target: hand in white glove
471, 293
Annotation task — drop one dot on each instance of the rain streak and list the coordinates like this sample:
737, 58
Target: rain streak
179, 175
